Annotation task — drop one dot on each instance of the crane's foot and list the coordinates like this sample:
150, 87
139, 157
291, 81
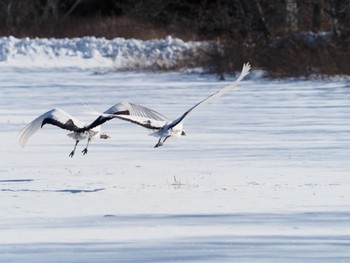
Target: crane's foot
85, 151
158, 145
72, 154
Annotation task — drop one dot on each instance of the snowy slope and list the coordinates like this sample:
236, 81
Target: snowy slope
95, 52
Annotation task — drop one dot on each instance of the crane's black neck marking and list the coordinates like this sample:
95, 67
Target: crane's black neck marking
102, 119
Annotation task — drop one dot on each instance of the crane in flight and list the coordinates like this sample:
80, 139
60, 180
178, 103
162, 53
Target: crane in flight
63, 120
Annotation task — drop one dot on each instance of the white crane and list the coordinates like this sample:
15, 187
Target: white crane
150, 119
65, 121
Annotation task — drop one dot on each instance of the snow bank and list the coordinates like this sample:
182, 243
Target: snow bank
90, 52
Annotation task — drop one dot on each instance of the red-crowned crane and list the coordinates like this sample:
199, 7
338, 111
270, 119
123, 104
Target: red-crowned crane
63, 120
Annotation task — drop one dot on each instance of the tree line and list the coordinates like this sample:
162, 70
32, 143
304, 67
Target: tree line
242, 29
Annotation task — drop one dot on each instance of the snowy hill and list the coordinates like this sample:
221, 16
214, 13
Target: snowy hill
91, 52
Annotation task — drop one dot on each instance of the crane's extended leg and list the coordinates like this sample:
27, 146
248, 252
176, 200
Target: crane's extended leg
86, 148
165, 139
75, 146
159, 143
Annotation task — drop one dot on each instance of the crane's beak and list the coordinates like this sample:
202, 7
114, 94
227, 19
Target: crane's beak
104, 136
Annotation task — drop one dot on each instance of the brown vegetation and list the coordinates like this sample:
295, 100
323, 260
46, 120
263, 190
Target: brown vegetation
285, 37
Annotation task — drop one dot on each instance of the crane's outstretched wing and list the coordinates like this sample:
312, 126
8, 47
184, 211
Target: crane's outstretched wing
245, 71
137, 114
55, 117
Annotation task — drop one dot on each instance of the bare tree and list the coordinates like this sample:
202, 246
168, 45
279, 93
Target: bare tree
340, 10
71, 9
50, 10
316, 15
292, 15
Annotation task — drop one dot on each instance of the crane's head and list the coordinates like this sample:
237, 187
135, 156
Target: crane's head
104, 135
178, 130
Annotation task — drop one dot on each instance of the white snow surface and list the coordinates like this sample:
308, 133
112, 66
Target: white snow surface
262, 175
91, 52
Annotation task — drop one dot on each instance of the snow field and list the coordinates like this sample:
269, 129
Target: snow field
262, 175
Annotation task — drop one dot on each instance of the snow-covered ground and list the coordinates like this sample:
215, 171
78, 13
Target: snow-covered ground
262, 175
89, 52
